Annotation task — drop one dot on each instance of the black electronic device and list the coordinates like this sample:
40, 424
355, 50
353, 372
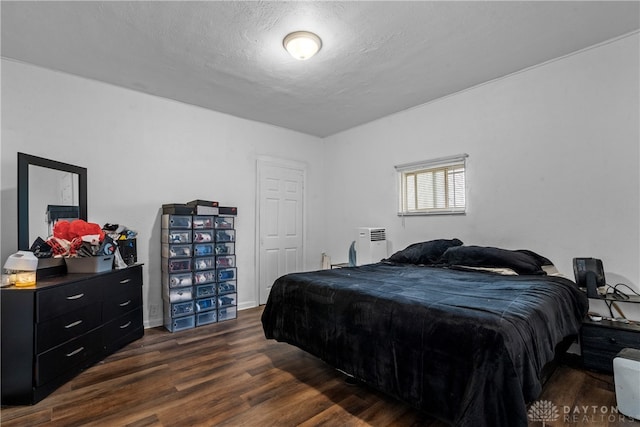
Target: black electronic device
128, 251
589, 274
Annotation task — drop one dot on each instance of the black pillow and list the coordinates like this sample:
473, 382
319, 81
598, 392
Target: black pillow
521, 261
424, 252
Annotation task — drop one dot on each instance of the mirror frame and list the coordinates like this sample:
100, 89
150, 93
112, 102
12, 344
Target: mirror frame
24, 161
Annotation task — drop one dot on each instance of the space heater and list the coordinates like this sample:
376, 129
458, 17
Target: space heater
371, 245
626, 373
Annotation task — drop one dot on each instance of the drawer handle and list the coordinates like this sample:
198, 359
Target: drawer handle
74, 352
78, 296
125, 281
126, 325
124, 304
71, 325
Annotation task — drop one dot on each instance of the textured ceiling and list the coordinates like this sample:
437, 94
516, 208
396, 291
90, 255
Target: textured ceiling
377, 58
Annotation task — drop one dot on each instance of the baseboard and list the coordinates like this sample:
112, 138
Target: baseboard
153, 323
247, 304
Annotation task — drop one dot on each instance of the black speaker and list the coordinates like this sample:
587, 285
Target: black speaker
128, 251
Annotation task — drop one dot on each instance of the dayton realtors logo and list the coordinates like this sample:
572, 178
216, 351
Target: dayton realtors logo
545, 411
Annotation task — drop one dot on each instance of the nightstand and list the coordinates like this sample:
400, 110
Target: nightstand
601, 341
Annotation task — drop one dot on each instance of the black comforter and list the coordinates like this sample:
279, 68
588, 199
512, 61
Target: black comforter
465, 347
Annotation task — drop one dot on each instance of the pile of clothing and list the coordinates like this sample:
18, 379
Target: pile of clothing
80, 238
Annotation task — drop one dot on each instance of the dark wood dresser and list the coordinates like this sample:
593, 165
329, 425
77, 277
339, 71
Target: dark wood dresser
63, 325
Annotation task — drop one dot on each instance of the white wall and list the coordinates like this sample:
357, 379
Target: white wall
142, 151
553, 164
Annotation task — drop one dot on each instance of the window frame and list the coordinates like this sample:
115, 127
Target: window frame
440, 164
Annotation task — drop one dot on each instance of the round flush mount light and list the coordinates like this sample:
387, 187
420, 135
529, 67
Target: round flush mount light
302, 44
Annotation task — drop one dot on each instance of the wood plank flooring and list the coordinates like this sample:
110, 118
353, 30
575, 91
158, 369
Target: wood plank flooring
228, 374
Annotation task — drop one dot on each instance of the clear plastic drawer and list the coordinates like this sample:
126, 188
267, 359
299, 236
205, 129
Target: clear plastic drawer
175, 236
205, 291
203, 222
206, 318
205, 304
224, 261
203, 249
227, 300
179, 324
228, 248
225, 235
203, 236
177, 280
179, 309
176, 265
178, 294
176, 221
225, 274
176, 251
227, 313
224, 222
202, 277
227, 287
204, 263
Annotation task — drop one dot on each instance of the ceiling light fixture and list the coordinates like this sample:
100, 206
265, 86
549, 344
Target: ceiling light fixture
302, 44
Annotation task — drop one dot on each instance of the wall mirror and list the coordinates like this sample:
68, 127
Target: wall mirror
47, 188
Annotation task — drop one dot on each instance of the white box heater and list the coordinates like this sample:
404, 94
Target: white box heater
626, 374
371, 245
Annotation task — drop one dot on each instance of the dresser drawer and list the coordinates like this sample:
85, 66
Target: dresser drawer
608, 339
123, 330
72, 355
600, 343
60, 300
118, 304
70, 325
125, 278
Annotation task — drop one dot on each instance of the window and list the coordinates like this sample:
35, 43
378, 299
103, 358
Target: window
433, 186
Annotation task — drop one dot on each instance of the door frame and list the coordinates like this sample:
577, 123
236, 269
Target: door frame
261, 163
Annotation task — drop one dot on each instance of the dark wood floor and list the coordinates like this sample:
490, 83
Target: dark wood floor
229, 374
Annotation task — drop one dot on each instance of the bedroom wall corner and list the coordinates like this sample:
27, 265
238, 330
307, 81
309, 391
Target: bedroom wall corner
553, 164
142, 151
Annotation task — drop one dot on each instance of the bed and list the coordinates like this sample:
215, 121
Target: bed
436, 325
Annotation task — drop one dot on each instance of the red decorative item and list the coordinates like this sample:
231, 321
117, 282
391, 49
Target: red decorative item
76, 229
61, 230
